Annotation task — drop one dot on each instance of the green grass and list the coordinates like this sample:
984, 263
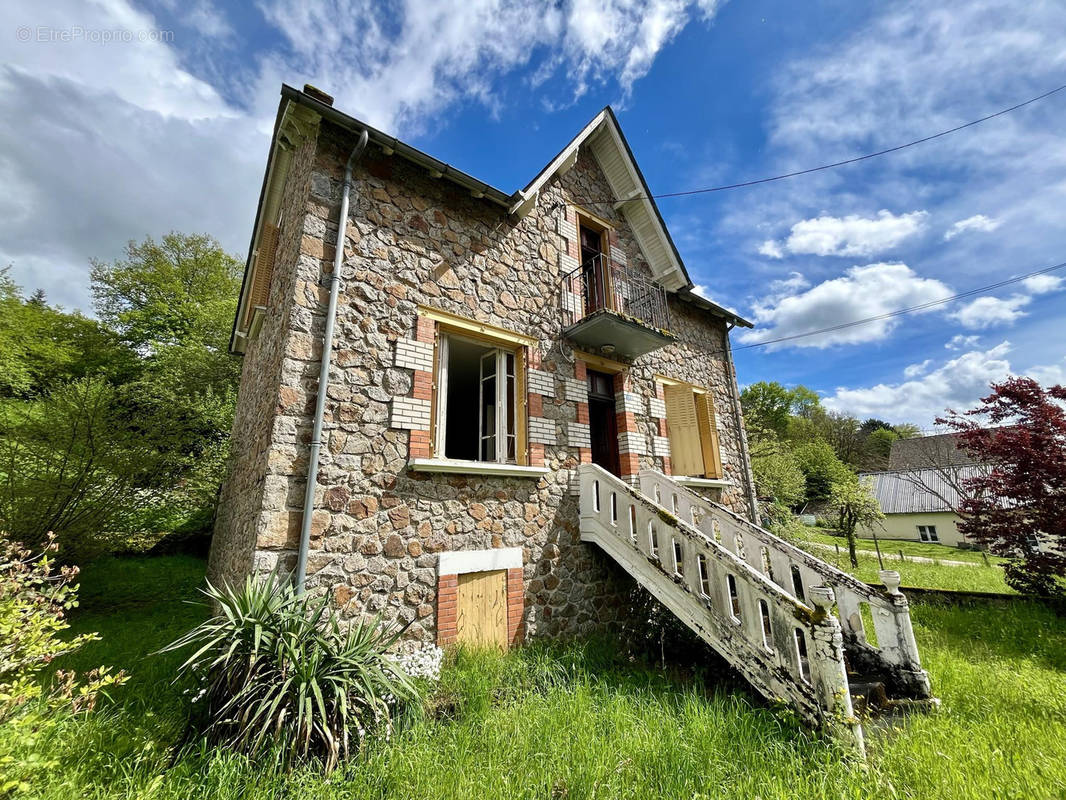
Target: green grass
977, 578
577, 721
895, 546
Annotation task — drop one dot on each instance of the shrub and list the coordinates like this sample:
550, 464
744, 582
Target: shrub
34, 600
282, 676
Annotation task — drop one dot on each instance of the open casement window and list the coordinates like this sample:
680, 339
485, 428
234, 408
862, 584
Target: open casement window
693, 430
479, 394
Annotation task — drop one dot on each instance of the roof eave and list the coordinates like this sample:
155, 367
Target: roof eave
688, 296
390, 144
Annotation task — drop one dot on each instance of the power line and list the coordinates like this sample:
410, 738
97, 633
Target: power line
908, 310
835, 164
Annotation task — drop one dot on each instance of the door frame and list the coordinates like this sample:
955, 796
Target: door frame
601, 403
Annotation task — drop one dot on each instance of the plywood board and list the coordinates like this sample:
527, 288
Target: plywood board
481, 609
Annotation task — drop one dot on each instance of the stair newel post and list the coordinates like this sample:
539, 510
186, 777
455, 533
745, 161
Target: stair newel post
828, 673
902, 648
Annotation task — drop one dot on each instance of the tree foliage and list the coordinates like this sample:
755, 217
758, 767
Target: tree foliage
777, 472
113, 431
821, 468
768, 406
1018, 507
34, 601
855, 506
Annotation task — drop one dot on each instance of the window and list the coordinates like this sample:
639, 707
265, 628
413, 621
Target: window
693, 430
927, 533
477, 396
595, 264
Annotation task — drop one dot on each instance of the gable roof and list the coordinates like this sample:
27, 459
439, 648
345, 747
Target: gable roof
299, 111
920, 490
924, 452
630, 194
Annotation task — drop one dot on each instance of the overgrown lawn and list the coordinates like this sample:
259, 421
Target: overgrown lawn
578, 721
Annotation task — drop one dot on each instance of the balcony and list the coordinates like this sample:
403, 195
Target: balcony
612, 310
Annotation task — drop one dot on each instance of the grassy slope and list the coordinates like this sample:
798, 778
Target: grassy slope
577, 722
894, 546
976, 578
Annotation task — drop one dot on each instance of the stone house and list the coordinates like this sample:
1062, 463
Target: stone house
508, 379
451, 290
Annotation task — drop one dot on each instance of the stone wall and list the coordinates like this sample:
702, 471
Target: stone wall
378, 527
263, 439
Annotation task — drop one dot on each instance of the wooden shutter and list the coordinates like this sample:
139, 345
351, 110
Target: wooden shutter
264, 269
686, 455
712, 458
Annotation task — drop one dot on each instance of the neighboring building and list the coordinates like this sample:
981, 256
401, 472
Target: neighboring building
919, 505
928, 452
527, 412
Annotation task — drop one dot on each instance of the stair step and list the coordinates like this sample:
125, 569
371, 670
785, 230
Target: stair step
868, 697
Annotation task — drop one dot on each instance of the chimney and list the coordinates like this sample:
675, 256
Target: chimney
318, 94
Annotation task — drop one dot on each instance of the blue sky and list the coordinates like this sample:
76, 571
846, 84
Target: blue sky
108, 141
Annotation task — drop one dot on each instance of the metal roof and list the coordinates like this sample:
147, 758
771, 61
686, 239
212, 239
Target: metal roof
920, 491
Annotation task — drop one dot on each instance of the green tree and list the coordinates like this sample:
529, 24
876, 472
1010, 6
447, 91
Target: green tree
42, 347
907, 430
854, 504
821, 468
768, 407
173, 302
777, 473
86, 461
877, 447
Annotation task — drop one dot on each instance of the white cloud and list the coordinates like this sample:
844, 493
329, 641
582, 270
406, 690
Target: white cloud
914, 370
978, 222
863, 291
984, 312
771, 249
958, 384
116, 141
1042, 284
852, 235
703, 292
961, 342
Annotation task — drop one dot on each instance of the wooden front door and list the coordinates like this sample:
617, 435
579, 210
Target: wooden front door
481, 609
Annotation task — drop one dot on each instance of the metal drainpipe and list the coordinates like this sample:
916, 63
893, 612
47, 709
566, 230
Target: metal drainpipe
323, 372
742, 438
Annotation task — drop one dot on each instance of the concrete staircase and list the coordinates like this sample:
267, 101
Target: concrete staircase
796, 627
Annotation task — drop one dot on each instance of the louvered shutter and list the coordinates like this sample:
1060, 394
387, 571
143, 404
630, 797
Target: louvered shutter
264, 268
686, 456
712, 458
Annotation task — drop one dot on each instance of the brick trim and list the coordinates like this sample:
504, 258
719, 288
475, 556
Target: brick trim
447, 596
516, 606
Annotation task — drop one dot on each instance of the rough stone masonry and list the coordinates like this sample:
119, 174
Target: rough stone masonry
378, 527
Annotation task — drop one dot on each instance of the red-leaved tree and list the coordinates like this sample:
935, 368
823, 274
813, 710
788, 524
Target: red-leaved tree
1018, 508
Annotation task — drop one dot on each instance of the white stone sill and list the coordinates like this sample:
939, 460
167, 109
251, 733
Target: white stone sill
702, 483
487, 468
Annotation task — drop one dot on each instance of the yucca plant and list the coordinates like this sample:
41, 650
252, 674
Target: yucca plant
280, 675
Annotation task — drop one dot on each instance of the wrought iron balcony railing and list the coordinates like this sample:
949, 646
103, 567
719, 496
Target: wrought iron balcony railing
600, 285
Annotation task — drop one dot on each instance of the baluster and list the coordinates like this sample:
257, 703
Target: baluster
825, 648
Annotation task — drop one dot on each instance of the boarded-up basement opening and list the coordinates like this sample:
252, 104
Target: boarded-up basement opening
481, 609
